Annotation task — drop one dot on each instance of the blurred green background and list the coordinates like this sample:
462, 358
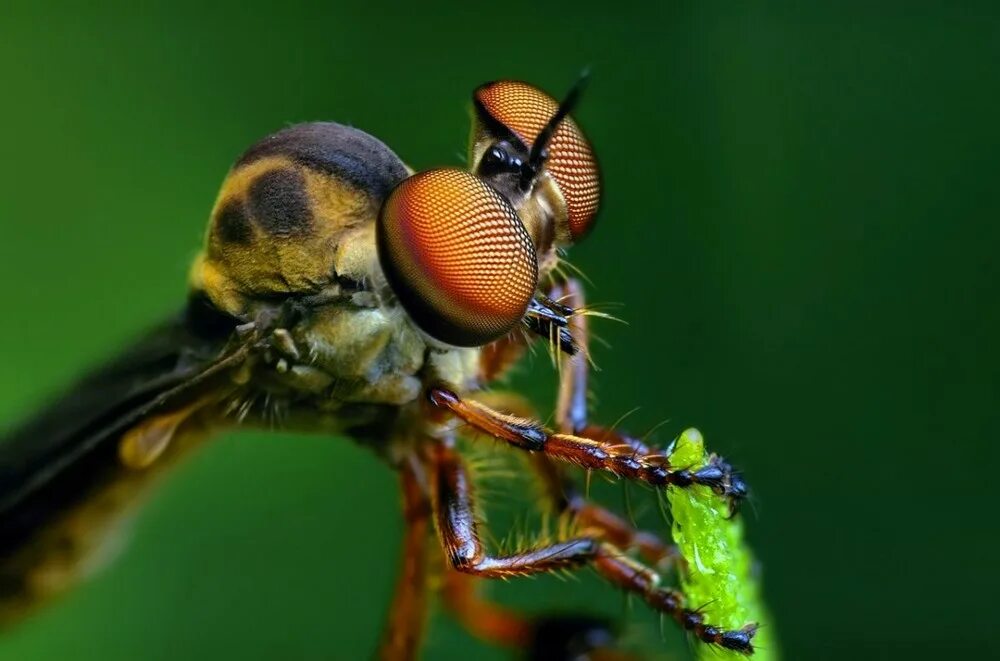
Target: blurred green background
800, 225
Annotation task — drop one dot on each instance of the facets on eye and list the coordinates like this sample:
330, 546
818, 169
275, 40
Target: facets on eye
457, 257
561, 149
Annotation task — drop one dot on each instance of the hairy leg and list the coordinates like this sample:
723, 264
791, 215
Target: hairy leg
572, 418
552, 638
563, 497
458, 531
609, 456
555, 637
595, 448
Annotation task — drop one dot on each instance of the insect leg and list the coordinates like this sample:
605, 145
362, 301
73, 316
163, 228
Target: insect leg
454, 510
636, 578
552, 638
557, 637
480, 617
403, 632
601, 455
588, 446
454, 513
571, 404
563, 496
571, 417
591, 518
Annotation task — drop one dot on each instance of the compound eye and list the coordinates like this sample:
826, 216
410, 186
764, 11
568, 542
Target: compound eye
524, 110
457, 256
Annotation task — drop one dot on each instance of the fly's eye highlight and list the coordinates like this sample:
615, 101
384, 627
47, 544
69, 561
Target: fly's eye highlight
457, 256
524, 110
498, 159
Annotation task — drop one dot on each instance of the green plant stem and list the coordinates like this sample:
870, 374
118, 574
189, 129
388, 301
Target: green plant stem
719, 572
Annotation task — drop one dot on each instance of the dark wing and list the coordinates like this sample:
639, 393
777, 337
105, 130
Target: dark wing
56, 457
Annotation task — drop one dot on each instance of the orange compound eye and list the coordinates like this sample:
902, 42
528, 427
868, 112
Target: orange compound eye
524, 110
457, 256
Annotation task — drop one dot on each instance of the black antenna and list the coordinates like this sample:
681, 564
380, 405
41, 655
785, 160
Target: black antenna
539, 151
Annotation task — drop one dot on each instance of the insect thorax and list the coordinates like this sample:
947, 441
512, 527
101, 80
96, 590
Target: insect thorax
295, 222
295, 215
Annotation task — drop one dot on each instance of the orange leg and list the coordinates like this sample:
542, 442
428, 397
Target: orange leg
404, 630
454, 513
609, 456
552, 638
594, 448
482, 618
561, 637
589, 517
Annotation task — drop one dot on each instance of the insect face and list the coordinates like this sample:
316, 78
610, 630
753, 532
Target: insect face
463, 251
526, 145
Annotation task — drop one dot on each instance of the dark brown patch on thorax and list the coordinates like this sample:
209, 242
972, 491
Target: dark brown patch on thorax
288, 210
278, 203
232, 224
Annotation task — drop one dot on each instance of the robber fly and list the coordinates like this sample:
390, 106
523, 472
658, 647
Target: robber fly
339, 292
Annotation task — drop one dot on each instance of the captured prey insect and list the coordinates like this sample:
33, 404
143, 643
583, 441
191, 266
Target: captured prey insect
339, 292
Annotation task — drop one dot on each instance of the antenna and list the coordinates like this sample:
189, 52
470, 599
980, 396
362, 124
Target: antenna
539, 149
